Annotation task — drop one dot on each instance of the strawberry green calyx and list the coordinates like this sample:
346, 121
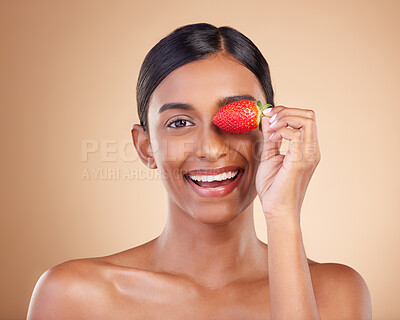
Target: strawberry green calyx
262, 107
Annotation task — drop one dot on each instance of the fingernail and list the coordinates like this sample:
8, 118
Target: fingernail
273, 118
273, 123
271, 136
265, 111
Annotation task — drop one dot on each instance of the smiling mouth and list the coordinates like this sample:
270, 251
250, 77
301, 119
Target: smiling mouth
208, 181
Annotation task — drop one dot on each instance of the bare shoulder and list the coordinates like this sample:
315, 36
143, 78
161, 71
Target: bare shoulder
66, 290
93, 287
341, 292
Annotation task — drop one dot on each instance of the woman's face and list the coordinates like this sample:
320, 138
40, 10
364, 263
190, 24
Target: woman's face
185, 139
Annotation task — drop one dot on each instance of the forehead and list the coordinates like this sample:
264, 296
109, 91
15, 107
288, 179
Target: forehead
207, 79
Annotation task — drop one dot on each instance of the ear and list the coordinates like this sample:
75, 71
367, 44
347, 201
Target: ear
141, 141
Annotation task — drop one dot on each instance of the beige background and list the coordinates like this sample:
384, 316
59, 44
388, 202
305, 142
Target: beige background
68, 77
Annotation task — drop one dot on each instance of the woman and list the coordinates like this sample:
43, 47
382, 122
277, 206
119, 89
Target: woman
208, 262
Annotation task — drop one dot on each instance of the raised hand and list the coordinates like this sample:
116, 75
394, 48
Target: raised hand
282, 180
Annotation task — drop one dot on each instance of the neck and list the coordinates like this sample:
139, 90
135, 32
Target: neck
211, 255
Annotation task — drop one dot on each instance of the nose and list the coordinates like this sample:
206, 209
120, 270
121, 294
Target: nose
211, 144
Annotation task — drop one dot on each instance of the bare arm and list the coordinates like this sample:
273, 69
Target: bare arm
281, 183
291, 291
334, 291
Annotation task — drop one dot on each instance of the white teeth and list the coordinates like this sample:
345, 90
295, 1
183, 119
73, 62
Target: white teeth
218, 177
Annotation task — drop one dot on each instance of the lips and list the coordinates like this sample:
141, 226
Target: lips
215, 188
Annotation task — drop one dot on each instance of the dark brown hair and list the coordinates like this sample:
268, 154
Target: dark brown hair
194, 42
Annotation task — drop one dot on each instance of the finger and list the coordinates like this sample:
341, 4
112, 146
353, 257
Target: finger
270, 148
311, 150
295, 138
282, 110
296, 122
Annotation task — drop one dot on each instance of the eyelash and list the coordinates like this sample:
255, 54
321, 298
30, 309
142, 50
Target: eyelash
176, 120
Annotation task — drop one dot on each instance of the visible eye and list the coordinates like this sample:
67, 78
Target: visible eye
178, 123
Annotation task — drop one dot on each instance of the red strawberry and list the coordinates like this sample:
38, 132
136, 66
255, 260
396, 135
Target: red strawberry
240, 116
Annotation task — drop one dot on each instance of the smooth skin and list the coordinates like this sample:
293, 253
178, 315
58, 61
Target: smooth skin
208, 262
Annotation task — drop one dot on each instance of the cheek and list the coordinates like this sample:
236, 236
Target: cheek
249, 148
171, 152
258, 147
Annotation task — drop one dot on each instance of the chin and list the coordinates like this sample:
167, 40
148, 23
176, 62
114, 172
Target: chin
215, 216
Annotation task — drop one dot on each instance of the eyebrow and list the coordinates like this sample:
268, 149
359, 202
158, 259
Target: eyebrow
221, 102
